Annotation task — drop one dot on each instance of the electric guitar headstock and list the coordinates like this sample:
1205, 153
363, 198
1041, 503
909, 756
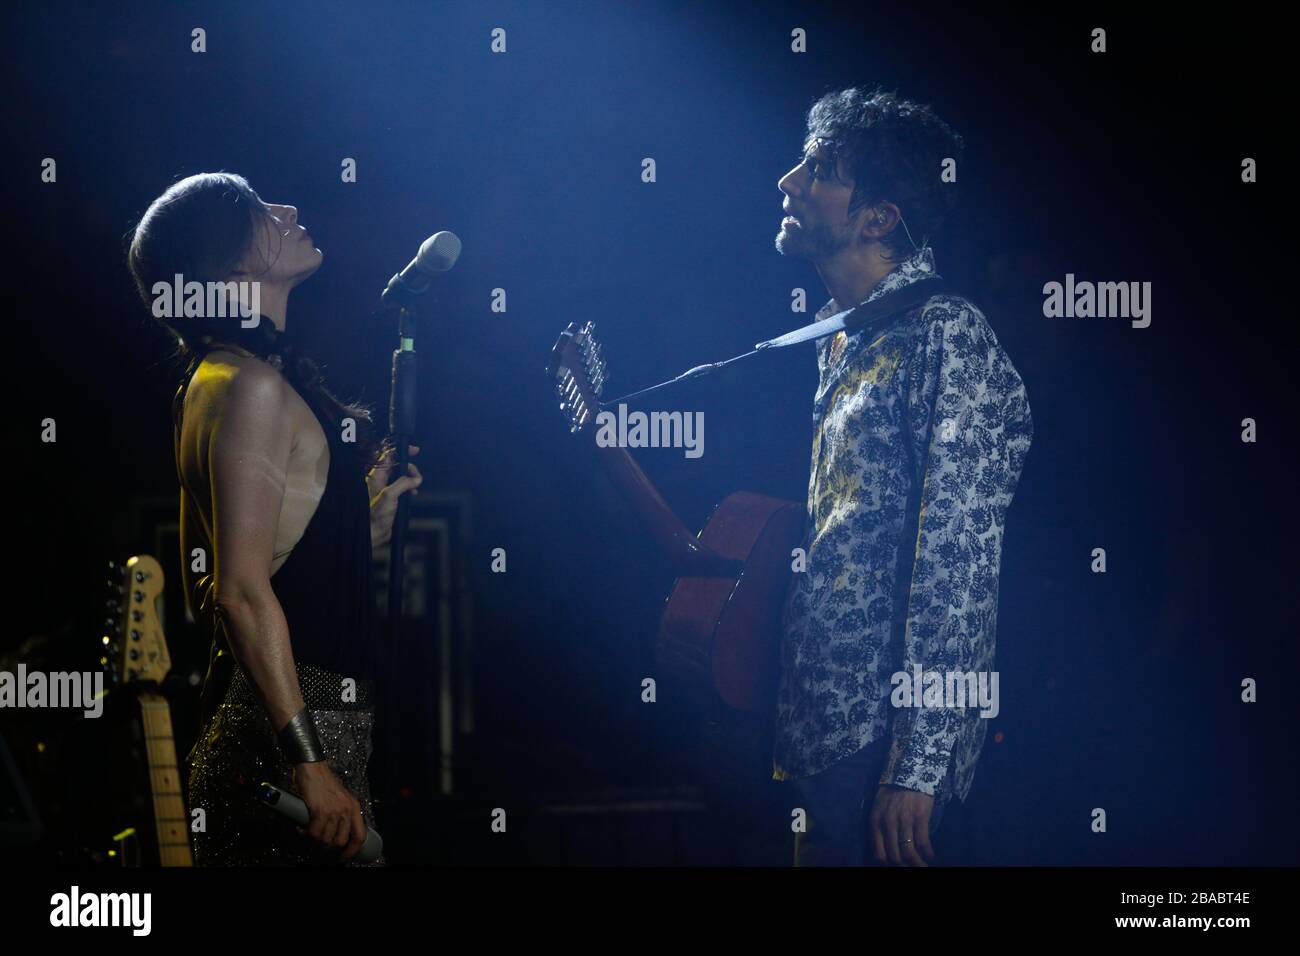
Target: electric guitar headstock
135, 649
135, 652
577, 370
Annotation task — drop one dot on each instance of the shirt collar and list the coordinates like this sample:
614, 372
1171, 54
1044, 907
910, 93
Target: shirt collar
919, 266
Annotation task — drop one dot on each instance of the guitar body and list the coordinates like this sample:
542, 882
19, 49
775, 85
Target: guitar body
720, 635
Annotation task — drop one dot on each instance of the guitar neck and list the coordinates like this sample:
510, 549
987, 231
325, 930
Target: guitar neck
674, 539
170, 819
577, 371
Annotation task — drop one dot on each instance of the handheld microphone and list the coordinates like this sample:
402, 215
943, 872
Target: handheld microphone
291, 805
437, 254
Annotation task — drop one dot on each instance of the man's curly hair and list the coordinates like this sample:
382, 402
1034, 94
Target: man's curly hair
893, 149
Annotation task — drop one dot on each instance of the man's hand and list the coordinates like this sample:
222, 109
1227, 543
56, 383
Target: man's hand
900, 826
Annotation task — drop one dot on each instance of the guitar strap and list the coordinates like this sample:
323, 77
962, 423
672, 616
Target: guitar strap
873, 316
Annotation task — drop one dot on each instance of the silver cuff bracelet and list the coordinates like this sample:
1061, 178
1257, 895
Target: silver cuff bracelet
298, 740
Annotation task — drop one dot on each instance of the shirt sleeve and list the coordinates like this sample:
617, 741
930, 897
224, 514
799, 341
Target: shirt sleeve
969, 429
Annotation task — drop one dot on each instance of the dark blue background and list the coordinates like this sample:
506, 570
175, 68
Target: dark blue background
1118, 691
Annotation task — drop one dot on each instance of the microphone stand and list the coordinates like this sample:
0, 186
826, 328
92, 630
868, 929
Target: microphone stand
438, 253
401, 428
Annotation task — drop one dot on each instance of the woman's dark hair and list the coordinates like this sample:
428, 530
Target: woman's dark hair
893, 148
202, 228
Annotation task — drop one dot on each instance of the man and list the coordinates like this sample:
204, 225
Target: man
921, 432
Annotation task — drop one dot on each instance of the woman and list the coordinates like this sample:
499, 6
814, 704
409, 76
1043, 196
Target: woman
284, 495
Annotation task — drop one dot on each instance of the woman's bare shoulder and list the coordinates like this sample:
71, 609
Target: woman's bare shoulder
230, 386
226, 377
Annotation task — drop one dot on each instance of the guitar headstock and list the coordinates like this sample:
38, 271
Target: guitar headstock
577, 369
134, 646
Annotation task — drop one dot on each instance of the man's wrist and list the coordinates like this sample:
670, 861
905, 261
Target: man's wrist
917, 780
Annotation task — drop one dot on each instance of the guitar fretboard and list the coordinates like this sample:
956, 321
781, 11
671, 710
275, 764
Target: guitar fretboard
165, 783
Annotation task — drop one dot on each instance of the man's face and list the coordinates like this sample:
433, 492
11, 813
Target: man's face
817, 191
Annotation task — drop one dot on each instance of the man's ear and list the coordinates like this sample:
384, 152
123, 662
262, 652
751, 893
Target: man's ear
879, 220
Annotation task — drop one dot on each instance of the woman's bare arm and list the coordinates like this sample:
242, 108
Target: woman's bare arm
248, 442
248, 450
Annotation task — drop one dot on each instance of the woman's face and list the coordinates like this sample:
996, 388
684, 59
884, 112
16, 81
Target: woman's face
287, 246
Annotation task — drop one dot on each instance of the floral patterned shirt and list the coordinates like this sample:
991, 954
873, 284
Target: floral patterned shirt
920, 438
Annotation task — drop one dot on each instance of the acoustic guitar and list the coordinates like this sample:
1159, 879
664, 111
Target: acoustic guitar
135, 655
719, 636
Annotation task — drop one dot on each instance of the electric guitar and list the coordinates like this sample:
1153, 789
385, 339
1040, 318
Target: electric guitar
719, 635
135, 653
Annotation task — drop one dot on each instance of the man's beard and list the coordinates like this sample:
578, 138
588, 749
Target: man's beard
817, 244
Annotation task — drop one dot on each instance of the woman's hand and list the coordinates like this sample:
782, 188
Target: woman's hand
384, 497
336, 818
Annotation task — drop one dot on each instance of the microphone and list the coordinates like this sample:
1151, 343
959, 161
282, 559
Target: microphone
437, 254
282, 801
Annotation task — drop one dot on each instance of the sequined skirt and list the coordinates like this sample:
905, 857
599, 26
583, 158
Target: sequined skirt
239, 750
